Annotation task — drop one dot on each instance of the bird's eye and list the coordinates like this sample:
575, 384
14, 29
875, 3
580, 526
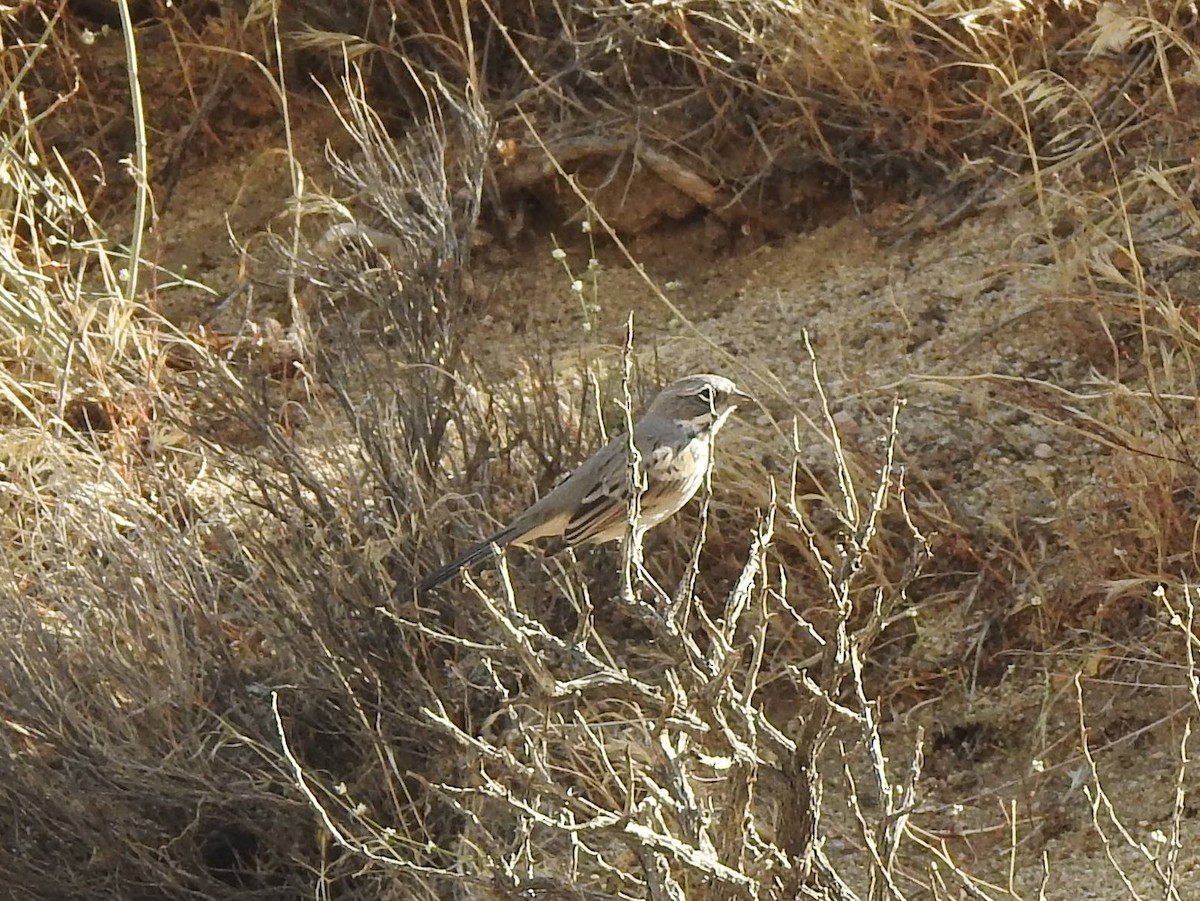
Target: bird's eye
707, 394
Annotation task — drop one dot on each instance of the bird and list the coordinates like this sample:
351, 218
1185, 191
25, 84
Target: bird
674, 438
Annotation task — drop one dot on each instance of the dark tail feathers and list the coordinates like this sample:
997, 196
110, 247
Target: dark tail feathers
477, 554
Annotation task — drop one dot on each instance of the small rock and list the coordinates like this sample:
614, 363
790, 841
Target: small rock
1043, 451
846, 424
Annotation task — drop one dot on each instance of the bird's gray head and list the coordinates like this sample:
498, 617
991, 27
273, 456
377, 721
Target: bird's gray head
703, 401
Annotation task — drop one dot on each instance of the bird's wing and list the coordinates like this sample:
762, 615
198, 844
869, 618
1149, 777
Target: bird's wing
600, 514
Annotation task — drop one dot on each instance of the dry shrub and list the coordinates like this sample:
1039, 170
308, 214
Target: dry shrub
215, 640
210, 635
750, 110
156, 596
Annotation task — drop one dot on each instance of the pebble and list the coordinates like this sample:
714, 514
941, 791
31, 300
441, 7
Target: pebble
1043, 451
847, 425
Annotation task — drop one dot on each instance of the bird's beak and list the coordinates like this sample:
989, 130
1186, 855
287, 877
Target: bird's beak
740, 397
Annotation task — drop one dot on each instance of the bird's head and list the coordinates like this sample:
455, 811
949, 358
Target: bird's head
704, 401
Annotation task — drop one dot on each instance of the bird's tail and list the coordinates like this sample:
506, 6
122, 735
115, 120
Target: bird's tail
477, 554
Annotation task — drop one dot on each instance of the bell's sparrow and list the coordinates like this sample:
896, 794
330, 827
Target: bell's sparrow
674, 439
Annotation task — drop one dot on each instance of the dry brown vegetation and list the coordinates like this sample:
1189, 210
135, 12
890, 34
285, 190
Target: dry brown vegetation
217, 681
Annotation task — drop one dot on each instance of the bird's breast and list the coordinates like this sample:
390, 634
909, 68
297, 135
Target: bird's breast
685, 466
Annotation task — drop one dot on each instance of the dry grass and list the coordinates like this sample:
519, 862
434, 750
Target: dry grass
217, 680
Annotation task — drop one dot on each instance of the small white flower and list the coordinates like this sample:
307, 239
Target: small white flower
558, 253
586, 226
88, 36
360, 809
577, 286
340, 788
